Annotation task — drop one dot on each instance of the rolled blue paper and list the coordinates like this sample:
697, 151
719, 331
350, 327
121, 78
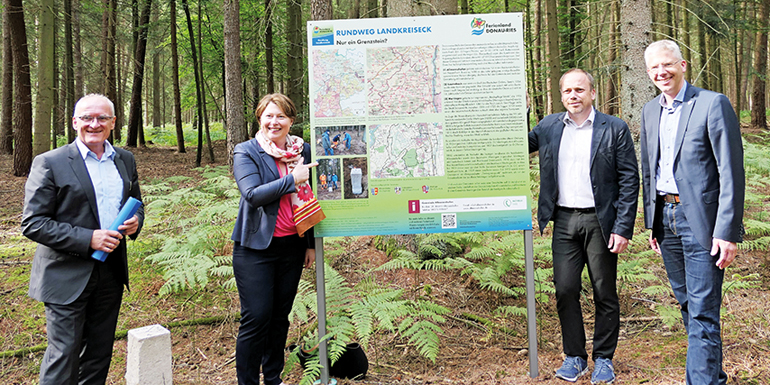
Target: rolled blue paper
127, 211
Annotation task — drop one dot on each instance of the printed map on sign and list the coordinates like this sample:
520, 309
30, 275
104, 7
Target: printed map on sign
406, 150
404, 80
338, 77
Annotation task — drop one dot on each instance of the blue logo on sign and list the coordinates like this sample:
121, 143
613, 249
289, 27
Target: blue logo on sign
323, 36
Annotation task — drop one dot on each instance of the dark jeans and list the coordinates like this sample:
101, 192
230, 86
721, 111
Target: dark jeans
697, 285
81, 333
267, 284
578, 241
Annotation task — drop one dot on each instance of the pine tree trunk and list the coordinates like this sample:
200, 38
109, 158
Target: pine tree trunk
175, 80
294, 61
45, 86
22, 117
322, 10
269, 47
611, 89
6, 98
758, 108
135, 131
236, 124
636, 88
193, 50
69, 67
554, 60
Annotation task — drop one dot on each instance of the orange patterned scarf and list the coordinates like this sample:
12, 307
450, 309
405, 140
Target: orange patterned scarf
304, 205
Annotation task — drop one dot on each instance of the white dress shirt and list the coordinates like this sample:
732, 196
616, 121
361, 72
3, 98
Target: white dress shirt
574, 173
108, 185
669, 122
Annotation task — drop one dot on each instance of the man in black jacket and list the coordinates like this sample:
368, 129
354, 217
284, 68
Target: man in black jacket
589, 184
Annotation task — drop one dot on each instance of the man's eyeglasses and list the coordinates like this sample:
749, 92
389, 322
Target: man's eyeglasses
666, 66
100, 118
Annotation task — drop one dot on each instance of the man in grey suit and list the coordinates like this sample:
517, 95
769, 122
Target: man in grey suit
589, 187
72, 195
693, 184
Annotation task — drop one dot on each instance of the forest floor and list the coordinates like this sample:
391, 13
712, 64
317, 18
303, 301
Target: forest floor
649, 352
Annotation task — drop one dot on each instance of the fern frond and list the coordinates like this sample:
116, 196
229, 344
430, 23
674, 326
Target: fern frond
508, 311
658, 290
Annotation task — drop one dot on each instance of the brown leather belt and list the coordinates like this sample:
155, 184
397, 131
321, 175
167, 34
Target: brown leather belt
671, 198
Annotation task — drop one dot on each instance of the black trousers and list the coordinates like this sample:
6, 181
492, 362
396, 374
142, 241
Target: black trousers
81, 333
577, 242
267, 283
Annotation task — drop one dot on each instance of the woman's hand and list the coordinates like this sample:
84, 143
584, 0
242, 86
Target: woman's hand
301, 171
309, 258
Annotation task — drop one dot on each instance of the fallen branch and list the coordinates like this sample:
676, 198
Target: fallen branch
632, 319
14, 263
491, 324
123, 333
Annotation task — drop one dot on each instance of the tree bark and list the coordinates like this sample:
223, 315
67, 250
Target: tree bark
175, 80
611, 89
554, 61
135, 109
294, 61
157, 118
758, 108
44, 101
69, 66
321, 9
236, 124
6, 98
22, 117
269, 46
199, 117
205, 115
539, 98
636, 88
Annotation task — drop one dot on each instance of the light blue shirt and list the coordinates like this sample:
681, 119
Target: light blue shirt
108, 185
669, 122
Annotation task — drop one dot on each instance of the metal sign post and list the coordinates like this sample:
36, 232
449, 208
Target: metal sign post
320, 282
529, 261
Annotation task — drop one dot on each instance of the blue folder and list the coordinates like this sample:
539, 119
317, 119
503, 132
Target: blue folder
127, 211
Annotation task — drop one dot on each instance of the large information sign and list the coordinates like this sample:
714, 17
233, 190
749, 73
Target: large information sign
419, 124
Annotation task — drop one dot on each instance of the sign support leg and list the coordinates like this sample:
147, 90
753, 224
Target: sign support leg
529, 261
321, 299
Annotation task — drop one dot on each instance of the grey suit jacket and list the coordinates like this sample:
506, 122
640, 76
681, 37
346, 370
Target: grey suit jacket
614, 172
60, 214
708, 165
261, 190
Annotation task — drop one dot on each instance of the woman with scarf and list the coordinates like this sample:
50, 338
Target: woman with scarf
273, 237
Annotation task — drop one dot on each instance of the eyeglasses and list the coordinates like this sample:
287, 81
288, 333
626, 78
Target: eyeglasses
667, 66
100, 118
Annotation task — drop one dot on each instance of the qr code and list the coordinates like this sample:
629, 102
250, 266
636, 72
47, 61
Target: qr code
448, 221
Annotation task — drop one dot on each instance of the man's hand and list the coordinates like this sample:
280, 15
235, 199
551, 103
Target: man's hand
309, 258
727, 251
105, 240
130, 226
654, 244
617, 243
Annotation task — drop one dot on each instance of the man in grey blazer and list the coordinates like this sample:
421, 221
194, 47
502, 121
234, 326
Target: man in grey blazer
693, 187
589, 187
72, 195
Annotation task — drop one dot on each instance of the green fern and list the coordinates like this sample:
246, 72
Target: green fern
359, 313
195, 223
670, 315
